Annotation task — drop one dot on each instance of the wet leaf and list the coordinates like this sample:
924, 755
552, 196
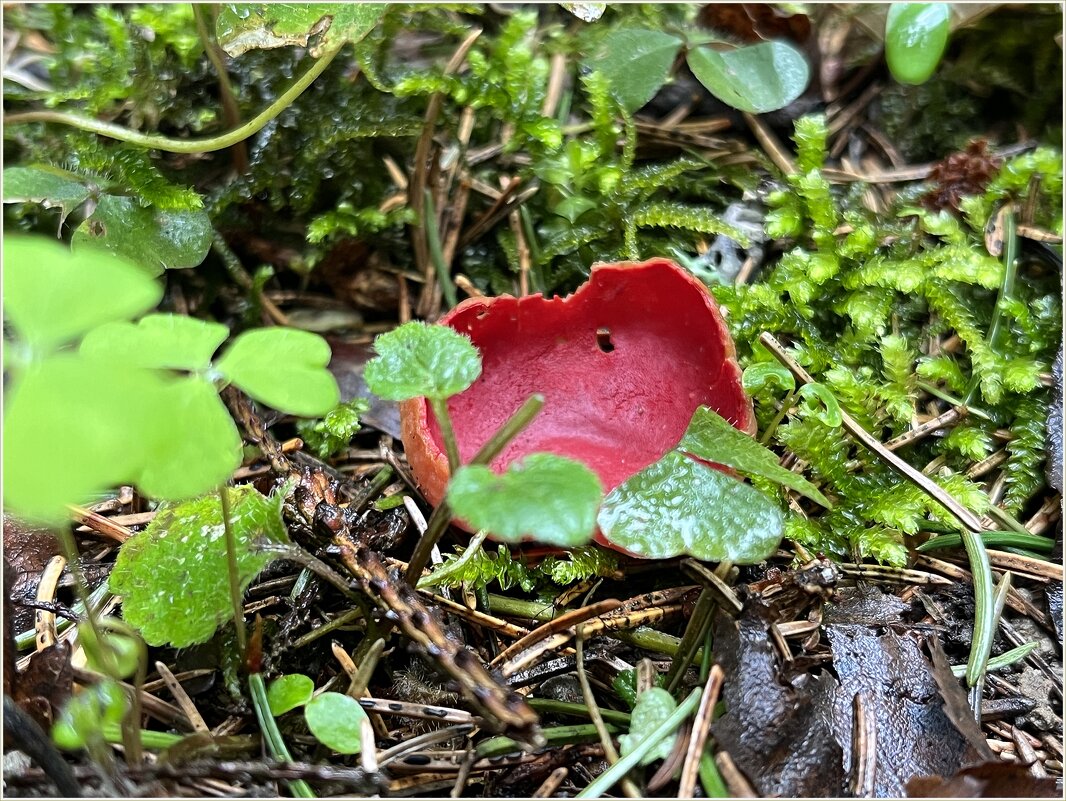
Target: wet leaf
636, 63
158, 240
653, 706
85, 715
712, 438
286, 693
757, 78
336, 721
170, 341
547, 498
52, 296
46, 684
422, 360
241, 27
48, 186
915, 37
173, 576
679, 506
284, 368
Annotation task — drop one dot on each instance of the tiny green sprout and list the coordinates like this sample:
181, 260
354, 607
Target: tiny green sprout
915, 37
289, 692
330, 435
819, 402
761, 375
84, 716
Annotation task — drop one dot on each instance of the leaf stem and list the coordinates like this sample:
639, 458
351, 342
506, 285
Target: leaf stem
1006, 291
429, 224
235, 594
444, 420
441, 516
511, 428
272, 735
166, 143
613, 774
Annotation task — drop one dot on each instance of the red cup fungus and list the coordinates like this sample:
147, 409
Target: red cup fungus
623, 363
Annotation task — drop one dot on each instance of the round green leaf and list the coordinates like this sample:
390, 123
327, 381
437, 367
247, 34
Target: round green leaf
915, 37
336, 721
285, 368
547, 498
170, 341
653, 706
173, 576
422, 360
636, 63
757, 78
52, 296
158, 239
288, 692
194, 445
73, 427
680, 506
119, 655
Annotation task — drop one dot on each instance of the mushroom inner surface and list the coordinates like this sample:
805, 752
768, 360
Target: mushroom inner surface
623, 363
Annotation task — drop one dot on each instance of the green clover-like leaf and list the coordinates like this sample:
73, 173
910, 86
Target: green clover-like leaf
711, 437
73, 427
286, 693
285, 368
194, 445
52, 296
422, 360
547, 498
636, 63
680, 506
170, 341
173, 575
336, 721
757, 78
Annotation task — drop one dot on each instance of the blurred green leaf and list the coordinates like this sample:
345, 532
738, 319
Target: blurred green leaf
169, 341
916, 35
284, 368
653, 706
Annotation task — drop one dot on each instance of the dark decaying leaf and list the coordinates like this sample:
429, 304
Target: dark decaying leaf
914, 734
27, 550
864, 606
778, 733
987, 780
46, 684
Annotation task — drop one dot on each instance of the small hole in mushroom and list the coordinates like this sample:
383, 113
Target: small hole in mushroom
603, 339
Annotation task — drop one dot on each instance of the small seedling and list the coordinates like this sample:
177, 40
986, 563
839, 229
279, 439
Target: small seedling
336, 720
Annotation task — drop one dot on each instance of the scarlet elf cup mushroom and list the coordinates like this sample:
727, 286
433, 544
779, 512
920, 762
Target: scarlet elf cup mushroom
622, 364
